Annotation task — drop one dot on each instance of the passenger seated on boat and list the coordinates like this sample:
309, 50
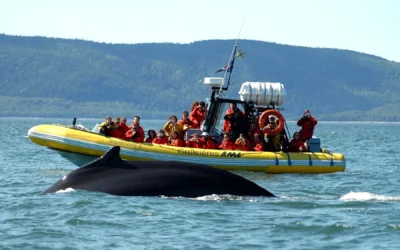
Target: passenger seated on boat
194, 142
242, 143
307, 124
176, 140
161, 138
151, 136
257, 144
231, 111
122, 126
136, 120
198, 115
238, 124
133, 134
296, 145
254, 129
227, 143
116, 132
107, 126
208, 141
185, 121
172, 126
273, 142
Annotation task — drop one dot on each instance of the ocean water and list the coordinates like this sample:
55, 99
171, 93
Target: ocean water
355, 209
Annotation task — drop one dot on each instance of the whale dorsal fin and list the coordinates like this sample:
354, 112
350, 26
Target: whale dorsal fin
112, 155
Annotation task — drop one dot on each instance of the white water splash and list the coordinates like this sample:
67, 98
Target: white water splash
68, 190
365, 196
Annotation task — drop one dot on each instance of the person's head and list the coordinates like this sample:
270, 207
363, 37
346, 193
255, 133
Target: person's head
272, 118
117, 120
135, 127
306, 113
173, 119
108, 119
152, 133
136, 119
202, 106
296, 135
256, 137
232, 106
236, 112
253, 126
161, 133
123, 120
185, 115
194, 104
226, 137
205, 135
174, 135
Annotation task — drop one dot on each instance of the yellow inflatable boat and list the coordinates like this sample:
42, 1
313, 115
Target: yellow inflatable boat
66, 139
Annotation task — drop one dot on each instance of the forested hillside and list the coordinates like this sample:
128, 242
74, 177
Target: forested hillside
64, 78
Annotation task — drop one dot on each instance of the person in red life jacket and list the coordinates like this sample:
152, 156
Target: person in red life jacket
176, 141
185, 121
134, 135
252, 131
296, 145
242, 143
161, 138
198, 115
258, 144
122, 126
227, 143
307, 124
107, 126
208, 141
231, 110
194, 142
136, 120
237, 124
194, 105
116, 132
151, 136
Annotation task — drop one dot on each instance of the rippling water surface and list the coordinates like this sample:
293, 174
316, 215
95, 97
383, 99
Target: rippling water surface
355, 209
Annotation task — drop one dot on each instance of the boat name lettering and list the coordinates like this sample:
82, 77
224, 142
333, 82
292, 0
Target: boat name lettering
125, 143
192, 152
231, 154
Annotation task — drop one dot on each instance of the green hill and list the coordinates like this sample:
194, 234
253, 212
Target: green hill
64, 78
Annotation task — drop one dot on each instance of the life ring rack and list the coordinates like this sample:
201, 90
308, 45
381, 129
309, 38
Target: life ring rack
264, 120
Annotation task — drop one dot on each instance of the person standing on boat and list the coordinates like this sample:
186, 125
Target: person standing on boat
307, 124
273, 141
237, 124
198, 115
172, 126
176, 141
231, 110
107, 126
185, 121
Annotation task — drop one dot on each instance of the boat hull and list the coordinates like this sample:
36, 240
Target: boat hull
71, 143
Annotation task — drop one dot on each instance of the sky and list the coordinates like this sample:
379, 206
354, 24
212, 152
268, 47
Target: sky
368, 26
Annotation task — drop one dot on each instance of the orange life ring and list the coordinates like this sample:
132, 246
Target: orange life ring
264, 120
